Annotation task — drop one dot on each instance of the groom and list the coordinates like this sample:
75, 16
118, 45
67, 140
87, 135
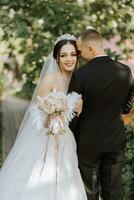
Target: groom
107, 88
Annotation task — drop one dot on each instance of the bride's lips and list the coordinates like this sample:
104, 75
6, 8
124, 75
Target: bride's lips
69, 64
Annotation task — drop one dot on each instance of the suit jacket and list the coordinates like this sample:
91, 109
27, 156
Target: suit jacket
127, 106
105, 86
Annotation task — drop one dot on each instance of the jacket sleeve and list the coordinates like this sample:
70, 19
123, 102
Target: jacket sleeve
74, 86
128, 104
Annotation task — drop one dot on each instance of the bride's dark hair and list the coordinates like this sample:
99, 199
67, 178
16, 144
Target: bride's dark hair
59, 45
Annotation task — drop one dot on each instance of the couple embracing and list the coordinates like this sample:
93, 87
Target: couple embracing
71, 142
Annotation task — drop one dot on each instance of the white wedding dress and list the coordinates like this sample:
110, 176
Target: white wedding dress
40, 166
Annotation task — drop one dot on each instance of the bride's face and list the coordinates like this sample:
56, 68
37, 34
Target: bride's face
67, 58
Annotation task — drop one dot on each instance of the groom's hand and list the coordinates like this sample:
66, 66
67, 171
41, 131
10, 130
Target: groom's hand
128, 104
78, 107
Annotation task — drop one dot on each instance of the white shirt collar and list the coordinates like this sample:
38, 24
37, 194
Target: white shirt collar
101, 55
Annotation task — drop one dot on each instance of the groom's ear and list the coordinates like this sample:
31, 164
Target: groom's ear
90, 48
78, 53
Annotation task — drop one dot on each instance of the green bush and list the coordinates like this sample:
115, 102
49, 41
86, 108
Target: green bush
37, 24
128, 170
1, 86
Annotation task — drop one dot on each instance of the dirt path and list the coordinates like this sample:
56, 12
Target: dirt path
13, 110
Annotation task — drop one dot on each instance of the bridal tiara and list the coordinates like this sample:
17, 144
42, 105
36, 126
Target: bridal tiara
66, 36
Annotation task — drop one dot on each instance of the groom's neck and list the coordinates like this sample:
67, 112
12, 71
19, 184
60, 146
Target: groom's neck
99, 53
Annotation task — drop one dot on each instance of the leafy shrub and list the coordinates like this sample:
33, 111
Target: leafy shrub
128, 170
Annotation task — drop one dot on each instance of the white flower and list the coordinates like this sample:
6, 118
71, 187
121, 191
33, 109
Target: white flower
55, 106
54, 102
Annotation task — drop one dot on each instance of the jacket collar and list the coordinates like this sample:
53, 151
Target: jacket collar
99, 59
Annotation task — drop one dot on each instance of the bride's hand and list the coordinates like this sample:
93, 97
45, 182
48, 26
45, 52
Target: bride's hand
79, 106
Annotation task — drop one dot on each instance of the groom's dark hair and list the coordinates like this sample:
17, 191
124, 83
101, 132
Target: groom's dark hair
91, 35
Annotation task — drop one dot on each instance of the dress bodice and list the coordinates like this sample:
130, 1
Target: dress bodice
38, 115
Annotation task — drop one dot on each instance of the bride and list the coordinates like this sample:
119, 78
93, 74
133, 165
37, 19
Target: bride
42, 164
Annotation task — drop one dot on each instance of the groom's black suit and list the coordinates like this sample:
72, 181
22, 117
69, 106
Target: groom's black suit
99, 131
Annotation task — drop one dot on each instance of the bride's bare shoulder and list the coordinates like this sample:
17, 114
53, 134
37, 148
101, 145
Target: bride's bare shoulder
48, 83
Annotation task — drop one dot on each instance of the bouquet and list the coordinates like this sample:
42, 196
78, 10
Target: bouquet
55, 106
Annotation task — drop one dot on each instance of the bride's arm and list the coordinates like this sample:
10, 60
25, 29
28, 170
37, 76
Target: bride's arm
45, 86
37, 115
